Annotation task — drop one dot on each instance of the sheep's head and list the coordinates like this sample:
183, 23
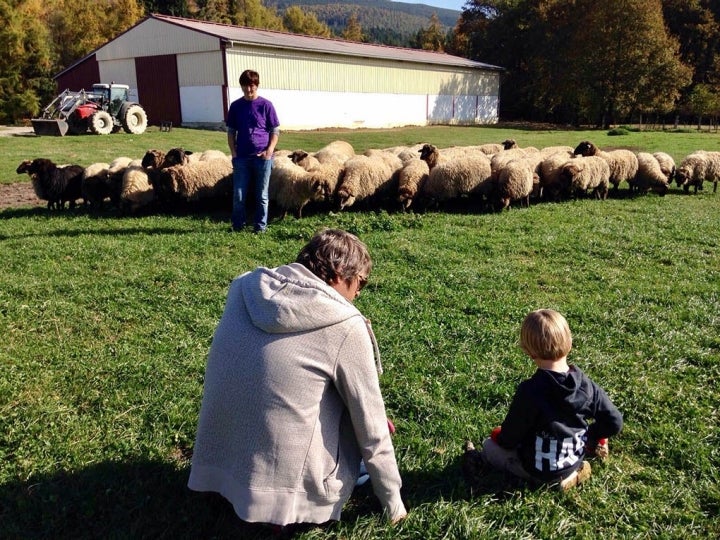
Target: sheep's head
585, 148
682, 176
430, 155
176, 156
661, 189
153, 159
24, 167
508, 144
345, 198
298, 155
317, 190
405, 197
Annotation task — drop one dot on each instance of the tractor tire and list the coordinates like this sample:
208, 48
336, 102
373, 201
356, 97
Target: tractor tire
101, 123
135, 120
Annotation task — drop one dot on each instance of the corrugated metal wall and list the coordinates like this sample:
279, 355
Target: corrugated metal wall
286, 71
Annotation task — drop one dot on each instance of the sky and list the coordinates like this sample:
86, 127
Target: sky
449, 4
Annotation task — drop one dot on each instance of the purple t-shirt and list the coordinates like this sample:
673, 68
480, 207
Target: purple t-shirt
253, 121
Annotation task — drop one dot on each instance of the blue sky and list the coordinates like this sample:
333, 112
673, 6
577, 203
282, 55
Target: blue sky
449, 4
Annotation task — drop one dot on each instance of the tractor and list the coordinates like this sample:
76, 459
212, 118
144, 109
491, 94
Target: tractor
103, 110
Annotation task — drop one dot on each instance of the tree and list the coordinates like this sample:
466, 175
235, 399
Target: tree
27, 61
431, 38
629, 60
299, 22
353, 30
253, 14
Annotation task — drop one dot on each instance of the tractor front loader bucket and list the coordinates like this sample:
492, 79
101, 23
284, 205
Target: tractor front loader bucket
45, 126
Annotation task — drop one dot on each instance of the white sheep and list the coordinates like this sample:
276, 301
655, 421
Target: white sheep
697, 167
434, 156
292, 187
583, 174
549, 173
137, 191
95, 186
667, 165
335, 151
204, 179
456, 178
650, 175
411, 178
515, 182
368, 176
623, 163
115, 172
305, 160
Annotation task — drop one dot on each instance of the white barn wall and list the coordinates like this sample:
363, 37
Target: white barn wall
202, 105
121, 71
315, 91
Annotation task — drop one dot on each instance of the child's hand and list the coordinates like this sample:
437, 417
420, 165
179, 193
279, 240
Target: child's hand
495, 432
391, 426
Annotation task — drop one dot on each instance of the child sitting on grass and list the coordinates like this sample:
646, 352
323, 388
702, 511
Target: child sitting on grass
545, 434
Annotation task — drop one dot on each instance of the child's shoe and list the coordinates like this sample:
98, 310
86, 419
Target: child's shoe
582, 474
472, 464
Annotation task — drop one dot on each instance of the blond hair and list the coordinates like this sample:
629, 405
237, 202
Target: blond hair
545, 335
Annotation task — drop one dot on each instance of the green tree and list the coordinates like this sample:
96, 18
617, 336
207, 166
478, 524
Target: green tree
253, 14
297, 21
27, 61
353, 31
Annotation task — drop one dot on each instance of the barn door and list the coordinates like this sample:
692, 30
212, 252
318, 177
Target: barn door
158, 88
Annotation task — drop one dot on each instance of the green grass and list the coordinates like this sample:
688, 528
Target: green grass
106, 323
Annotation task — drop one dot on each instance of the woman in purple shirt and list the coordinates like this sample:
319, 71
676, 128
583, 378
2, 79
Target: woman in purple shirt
253, 130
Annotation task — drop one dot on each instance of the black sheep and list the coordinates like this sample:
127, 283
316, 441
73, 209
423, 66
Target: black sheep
54, 184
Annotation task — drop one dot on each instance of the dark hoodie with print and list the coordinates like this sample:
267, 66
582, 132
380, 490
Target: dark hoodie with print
548, 422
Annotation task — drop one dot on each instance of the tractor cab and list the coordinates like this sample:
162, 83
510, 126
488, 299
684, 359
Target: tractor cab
114, 95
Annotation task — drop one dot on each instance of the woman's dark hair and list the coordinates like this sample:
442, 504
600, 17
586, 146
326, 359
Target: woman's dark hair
336, 254
249, 77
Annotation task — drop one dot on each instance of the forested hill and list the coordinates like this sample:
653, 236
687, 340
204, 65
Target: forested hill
382, 21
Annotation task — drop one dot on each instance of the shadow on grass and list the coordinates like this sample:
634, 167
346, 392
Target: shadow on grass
118, 500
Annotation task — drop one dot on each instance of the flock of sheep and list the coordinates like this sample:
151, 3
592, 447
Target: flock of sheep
421, 176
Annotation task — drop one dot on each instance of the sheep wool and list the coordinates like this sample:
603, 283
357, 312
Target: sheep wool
137, 191
549, 173
201, 179
623, 163
410, 180
649, 175
53, 183
95, 185
515, 182
455, 178
667, 165
583, 174
697, 167
292, 187
368, 176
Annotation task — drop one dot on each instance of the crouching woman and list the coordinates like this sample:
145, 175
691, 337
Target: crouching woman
292, 400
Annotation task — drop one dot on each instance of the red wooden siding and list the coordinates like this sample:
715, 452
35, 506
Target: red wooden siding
158, 88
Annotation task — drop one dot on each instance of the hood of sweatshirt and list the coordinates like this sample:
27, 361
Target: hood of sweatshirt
291, 298
569, 391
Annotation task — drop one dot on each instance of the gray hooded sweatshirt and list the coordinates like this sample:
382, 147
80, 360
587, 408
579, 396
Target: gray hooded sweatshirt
292, 403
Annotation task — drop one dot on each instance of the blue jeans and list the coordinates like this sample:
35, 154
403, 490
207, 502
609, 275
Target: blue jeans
251, 174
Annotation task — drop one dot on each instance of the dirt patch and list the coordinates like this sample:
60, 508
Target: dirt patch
18, 195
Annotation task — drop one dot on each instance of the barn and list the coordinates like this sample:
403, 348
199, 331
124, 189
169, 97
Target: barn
186, 72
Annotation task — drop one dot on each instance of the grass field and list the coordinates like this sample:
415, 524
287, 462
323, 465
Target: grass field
106, 322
